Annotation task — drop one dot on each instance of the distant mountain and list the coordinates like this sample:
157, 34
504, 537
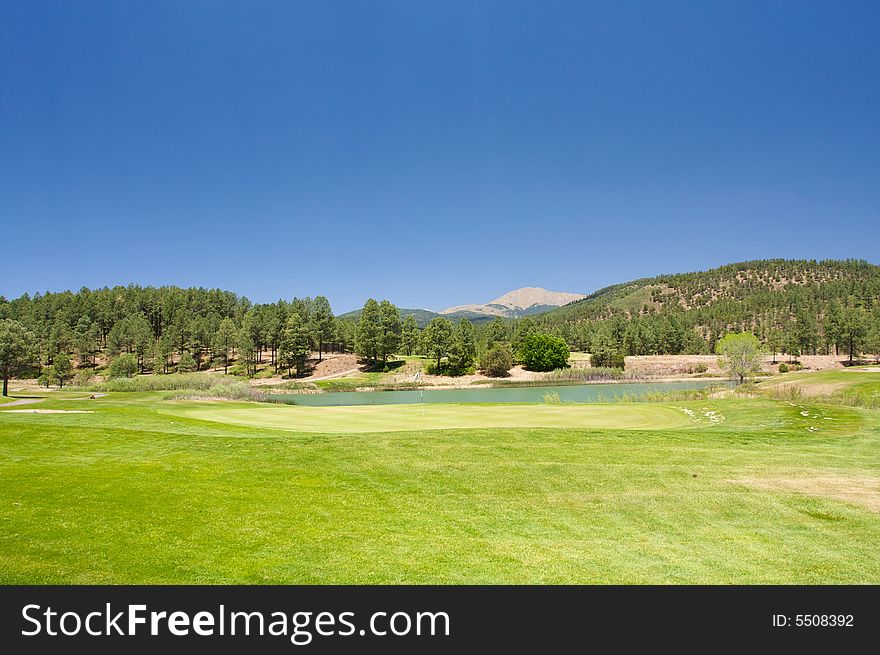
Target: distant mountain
422, 316
514, 304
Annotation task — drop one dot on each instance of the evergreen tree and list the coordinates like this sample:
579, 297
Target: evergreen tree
61, 369
438, 336
496, 332
224, 341
462, 347
186, 363
409, 335
85, 340
775, 342
246, 345
369, 332
322, 323
853, 330
389, 331
293, 351
158, 360
16, 350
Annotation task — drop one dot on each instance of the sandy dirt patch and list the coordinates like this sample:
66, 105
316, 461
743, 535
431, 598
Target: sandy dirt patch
672, 365
666, 365
813, 388
405, 375
333, 365
863, 491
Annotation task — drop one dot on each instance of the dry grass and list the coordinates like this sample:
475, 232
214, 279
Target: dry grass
863, 491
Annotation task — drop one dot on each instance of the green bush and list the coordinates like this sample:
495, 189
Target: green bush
544, 352
497, 361
607, 358
783, 368
124, 366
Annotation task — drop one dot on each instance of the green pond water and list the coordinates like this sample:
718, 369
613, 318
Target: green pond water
581, 393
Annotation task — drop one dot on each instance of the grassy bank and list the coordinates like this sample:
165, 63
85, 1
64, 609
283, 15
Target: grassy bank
856, 387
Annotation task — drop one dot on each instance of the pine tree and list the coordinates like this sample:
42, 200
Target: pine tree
293, 351
438, 336
369, 332
462, 347
322, 323
409, 335
389, 331
224, 341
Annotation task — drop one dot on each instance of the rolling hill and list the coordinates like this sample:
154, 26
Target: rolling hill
798, 297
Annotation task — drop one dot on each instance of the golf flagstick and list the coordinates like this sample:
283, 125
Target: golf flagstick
417, 378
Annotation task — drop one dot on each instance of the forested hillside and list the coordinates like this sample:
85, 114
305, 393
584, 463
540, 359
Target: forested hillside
794, 306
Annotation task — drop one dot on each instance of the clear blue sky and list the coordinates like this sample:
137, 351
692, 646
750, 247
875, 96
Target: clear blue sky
433, 153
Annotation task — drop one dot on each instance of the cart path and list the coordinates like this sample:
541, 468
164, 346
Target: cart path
22, 401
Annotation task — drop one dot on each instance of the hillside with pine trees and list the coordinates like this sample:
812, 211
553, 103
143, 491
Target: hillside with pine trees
793, 306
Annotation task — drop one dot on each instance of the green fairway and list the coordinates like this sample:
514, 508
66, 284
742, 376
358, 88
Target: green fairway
143, 490
394, 418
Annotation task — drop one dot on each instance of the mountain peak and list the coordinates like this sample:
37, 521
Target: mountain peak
519, 302
530, 296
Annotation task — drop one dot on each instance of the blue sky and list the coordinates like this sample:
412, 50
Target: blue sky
434, 153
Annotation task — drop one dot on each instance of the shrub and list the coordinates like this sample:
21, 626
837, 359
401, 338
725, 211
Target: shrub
497, 361
607, 358
227, 390
176, 381
783, 368
544, 352
124, 366
701, 367
581, 375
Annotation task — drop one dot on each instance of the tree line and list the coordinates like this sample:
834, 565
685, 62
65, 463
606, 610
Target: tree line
793, 307
166, 328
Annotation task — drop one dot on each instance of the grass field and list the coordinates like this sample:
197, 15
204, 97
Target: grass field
143, 490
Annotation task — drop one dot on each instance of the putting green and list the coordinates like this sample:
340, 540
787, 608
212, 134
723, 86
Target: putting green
395, 418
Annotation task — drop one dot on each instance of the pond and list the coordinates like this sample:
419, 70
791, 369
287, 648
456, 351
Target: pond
581, 393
